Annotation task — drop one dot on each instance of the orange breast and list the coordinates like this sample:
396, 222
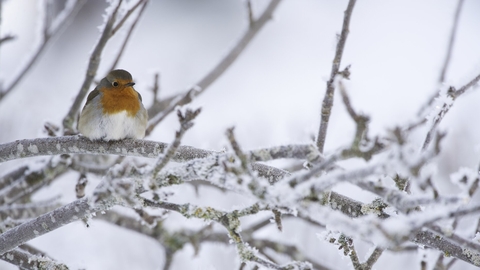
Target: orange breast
117, 100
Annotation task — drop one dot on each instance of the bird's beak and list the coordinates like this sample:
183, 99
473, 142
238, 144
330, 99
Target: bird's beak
130, 84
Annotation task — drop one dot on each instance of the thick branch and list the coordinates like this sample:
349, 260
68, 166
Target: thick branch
82, 145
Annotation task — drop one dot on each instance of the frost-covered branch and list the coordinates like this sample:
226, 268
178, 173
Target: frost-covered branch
328, 99
451, 95
50, 221
82, 145
27, 261
185, 124
27, 210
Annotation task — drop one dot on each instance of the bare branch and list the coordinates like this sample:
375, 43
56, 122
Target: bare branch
49, 32
451, 41
129, 33
25, 260
169, 104
129, 12
328, 99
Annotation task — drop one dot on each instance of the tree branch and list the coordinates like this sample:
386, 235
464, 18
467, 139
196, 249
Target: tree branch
49, 32
328, 99
453, 94
168, 105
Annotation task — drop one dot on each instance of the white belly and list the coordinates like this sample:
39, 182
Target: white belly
112, 126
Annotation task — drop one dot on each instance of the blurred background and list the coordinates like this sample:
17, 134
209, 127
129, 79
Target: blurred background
272, 95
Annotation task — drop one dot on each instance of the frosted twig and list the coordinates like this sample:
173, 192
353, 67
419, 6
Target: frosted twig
25, 260
290, 250
12, 176
49, 32
346, 243
168, 105
244, 160
125, 17
361, 122
180, 100
438, 242
27, 210
328, 99
452, 93
455, 238
129, 33
185, 124
304, 176
372, 259
292, 151
400, 200
446, 63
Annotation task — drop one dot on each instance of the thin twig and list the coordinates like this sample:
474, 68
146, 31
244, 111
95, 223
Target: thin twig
48, 34
156, 87
446, 107
155, 120
446, 63
168, 105
185, 124
251, 19
6, 38
328, 99
124, 19
451, 41
129, 33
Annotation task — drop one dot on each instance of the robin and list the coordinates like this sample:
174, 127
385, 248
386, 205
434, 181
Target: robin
114, 110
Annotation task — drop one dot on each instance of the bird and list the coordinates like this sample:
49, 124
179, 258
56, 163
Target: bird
114, 110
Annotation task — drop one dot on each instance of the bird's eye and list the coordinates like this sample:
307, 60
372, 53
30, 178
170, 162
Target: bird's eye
115, 84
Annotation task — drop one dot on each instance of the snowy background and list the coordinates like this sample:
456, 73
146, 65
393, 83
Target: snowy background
272, 95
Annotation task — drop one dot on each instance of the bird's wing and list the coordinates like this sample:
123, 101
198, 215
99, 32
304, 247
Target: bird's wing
92, 95
139, 96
